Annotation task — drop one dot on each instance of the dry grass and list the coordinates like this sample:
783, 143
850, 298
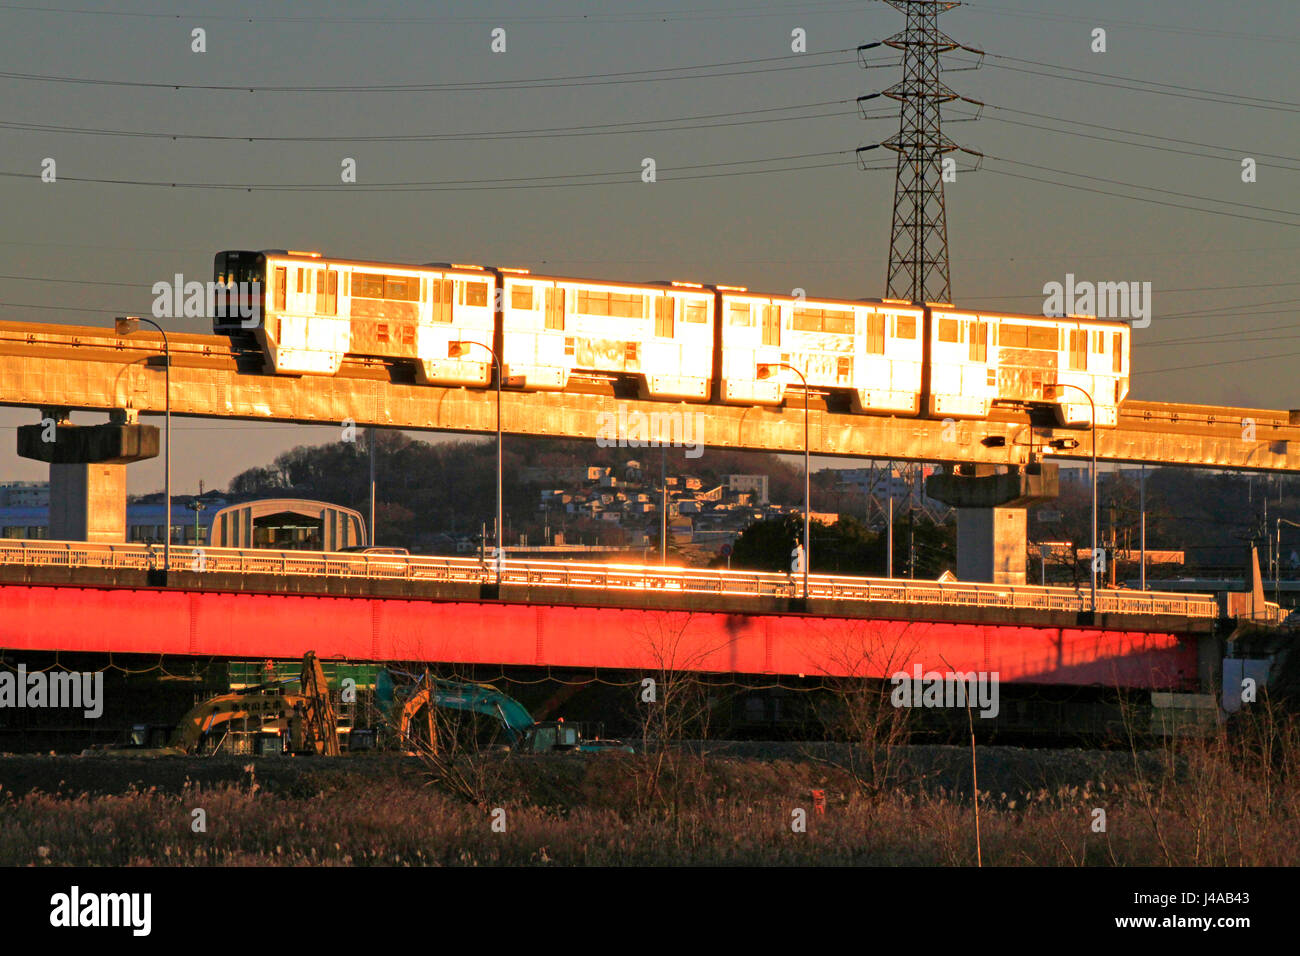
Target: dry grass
1231, 801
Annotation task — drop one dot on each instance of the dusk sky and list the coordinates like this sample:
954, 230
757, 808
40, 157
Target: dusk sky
761, 190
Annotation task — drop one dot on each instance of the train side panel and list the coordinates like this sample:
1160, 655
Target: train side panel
871, 353
659, 335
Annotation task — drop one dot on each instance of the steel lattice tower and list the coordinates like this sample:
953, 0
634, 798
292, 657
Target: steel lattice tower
918, 244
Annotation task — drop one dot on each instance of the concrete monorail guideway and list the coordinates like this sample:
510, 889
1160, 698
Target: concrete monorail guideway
44, 366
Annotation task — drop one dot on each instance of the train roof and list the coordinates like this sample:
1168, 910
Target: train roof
654, 285
658, 285
892, 304
987, 314
304, 256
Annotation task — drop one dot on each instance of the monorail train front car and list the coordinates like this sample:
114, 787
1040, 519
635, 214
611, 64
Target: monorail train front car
313, 312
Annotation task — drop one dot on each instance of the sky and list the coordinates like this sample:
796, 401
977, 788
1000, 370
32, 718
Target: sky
1089, 174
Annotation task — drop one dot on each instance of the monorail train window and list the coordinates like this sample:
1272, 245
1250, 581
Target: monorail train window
281, 286
771, 325
555, 309
949, 330
1040, 338
365, 285
1029, 337
300, 272
1099, 345
664, 316
621, 305
521, 297
695, 310
822, 320
1118, 356
443, 296
875, 334
739, 313
979, 334
1078, 349
806, 320
402, 288
905, 327
838, 322
327, 293
474, 293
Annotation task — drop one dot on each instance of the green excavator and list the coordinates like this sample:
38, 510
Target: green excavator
411, 718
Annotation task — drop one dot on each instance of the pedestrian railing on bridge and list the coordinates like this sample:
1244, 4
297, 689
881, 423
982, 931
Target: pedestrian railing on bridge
606, 577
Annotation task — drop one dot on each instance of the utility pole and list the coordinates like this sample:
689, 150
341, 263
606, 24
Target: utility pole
663, 510
1142, 532
370, 442
918, 245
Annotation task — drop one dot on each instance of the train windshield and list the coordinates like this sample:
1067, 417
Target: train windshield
236, 267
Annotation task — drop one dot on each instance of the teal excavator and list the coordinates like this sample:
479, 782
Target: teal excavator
410, 711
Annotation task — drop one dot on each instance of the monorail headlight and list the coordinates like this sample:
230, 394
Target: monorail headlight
1063, 444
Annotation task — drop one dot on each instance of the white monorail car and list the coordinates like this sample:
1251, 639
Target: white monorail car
312, 312
871, 351
658, 334
978, 359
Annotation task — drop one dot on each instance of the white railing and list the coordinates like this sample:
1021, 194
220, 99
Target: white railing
606, 577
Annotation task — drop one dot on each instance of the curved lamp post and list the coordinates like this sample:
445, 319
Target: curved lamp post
125, 325
1093, 560
454, 350
765, 370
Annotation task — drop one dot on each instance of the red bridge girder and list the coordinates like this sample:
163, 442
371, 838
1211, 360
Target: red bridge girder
244, 625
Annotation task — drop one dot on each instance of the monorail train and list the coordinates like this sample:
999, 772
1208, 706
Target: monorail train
676, 341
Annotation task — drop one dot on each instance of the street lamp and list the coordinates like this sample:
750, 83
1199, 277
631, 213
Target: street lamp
125, 325
1277, 559
196, 506
454, 350
1093, 561
765, 371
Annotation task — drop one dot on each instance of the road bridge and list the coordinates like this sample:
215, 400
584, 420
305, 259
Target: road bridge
74, 597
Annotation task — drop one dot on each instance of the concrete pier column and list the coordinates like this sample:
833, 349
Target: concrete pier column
991, 503
87, 471
991, 545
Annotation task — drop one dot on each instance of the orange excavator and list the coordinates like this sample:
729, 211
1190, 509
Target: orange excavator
307, 718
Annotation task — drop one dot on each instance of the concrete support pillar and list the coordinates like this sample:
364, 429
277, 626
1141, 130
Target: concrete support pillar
87, 471
88, 502
991, 544
991, 503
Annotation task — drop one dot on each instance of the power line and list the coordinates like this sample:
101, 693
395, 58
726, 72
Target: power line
482, 86
1156, 189
1019, 13
1188, 368
1237, 151
1187, 288
663, 16
1145, 199
596, 129
625, 177
1190, 93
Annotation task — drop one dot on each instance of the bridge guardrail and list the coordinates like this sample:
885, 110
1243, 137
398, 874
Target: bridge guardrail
620, 577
